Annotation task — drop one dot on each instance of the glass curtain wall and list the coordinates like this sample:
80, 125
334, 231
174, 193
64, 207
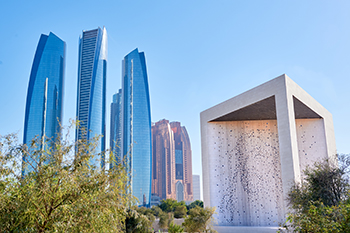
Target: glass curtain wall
137, 125
91, 93
44, 105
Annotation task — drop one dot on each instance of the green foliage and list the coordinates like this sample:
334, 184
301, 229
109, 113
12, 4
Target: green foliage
156, 210
165, 219
199, 220
146, 212
169, 205
326, 182
61, 191
180, 211
194, 204
321, 203
173, 228
136, 222
320, 218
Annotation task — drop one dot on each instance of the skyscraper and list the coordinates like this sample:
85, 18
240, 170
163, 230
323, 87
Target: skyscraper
136, 125
163, 160
115, 130
172, 161
183, 163
45, 91
91, 93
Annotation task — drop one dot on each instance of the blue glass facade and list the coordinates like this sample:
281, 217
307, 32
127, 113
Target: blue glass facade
115, 130
45, 91
136, 128
179, 164
91, 93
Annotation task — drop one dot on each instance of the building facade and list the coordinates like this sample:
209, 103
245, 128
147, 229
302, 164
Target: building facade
163, 160
91, 92
256, 145
196, 187
44, 105
115, 130
172, 161
136, 125
183, 163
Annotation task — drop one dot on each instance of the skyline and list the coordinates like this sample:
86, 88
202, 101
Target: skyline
209, 44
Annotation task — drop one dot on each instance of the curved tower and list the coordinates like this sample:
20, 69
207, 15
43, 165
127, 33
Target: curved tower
136, 125
91, 93
44, 105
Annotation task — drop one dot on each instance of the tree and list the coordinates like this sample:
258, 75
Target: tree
173, 228
326, 182
169, 205
319, 218
165, 219
61, 191
194, 204
321, 202
146, 212
156, 210
136, 222
180, 211
199, 220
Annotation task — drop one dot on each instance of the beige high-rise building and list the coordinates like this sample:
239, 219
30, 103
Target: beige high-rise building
183, 163
171, 161
163, 160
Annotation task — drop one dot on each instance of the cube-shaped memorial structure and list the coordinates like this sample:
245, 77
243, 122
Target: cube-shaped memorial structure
256, 145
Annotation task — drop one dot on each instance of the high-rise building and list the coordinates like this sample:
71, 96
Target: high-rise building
163, 160
91, 93
136, 125
44, 106
183, 163
172, 161
115, 130
196, 187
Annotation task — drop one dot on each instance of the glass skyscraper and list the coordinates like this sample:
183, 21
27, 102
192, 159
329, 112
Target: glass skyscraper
115, 130
136, 125
44, 110
91, 93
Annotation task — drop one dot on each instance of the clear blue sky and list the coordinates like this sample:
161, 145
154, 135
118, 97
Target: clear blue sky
198, 53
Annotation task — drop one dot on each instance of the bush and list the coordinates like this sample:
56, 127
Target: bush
136, 222
165, 219
180, 212
173, 228
199, 220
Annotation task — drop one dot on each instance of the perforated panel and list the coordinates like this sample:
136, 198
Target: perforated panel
246, 185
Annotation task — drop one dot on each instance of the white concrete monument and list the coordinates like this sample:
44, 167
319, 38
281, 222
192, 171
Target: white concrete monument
255, 145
